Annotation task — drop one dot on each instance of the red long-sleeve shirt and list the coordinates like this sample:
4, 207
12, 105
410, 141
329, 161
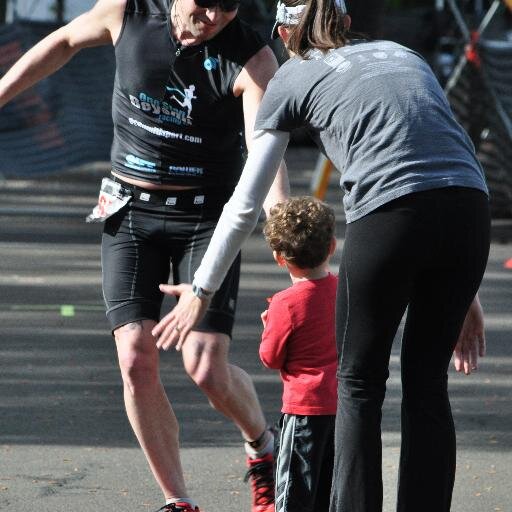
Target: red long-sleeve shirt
299, 340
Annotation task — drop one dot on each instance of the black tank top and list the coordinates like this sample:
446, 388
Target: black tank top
176, 120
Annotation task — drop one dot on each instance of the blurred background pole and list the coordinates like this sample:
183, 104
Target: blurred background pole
3, 9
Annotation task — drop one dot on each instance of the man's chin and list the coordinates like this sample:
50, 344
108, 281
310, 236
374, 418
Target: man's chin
206, 31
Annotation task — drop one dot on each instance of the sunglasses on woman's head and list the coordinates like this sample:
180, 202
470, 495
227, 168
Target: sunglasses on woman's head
224, 5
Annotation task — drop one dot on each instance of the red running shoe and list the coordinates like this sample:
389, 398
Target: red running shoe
261, 476
179, 506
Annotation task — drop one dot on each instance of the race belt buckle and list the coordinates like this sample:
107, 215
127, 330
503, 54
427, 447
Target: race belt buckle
111, 199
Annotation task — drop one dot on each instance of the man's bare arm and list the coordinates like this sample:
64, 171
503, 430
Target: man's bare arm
99, 26
251, 83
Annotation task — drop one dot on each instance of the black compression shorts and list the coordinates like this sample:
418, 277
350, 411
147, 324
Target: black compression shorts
154, 234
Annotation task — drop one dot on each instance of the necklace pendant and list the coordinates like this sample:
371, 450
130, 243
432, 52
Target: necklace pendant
178, 51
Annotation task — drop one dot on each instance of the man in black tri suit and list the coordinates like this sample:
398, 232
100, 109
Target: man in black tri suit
189, 79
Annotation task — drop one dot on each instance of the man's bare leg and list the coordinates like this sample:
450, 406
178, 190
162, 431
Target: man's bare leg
231, 391
149, 411
229, 388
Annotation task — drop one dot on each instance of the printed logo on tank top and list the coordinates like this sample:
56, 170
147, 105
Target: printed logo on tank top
167, 113
184, 98
140, 164
176, 110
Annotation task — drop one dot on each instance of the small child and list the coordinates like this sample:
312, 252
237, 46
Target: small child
299, 340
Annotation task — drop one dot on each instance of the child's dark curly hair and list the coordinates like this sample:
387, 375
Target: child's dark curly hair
301, 230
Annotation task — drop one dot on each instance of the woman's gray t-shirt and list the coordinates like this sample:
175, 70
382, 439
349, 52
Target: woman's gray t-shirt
377, 112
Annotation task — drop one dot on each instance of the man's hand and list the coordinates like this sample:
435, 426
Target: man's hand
173, 328
471, 342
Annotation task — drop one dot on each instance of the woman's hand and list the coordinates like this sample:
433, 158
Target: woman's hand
471, 342
173, 328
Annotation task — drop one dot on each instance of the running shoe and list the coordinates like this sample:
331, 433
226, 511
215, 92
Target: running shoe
261, 476
179, 506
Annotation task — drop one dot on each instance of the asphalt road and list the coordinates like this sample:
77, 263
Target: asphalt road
65, 443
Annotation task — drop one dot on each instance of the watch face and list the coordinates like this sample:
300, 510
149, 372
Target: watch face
199, 292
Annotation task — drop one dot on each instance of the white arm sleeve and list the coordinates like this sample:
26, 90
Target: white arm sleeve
240, 214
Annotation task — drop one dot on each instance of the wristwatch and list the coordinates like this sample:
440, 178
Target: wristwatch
201, 292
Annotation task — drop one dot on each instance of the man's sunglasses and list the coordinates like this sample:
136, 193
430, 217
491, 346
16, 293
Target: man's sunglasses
224, 5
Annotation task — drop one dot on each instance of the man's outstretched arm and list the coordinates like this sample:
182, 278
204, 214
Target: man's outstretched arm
99, 26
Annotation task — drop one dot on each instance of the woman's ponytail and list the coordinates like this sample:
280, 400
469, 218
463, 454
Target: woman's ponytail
322, 26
